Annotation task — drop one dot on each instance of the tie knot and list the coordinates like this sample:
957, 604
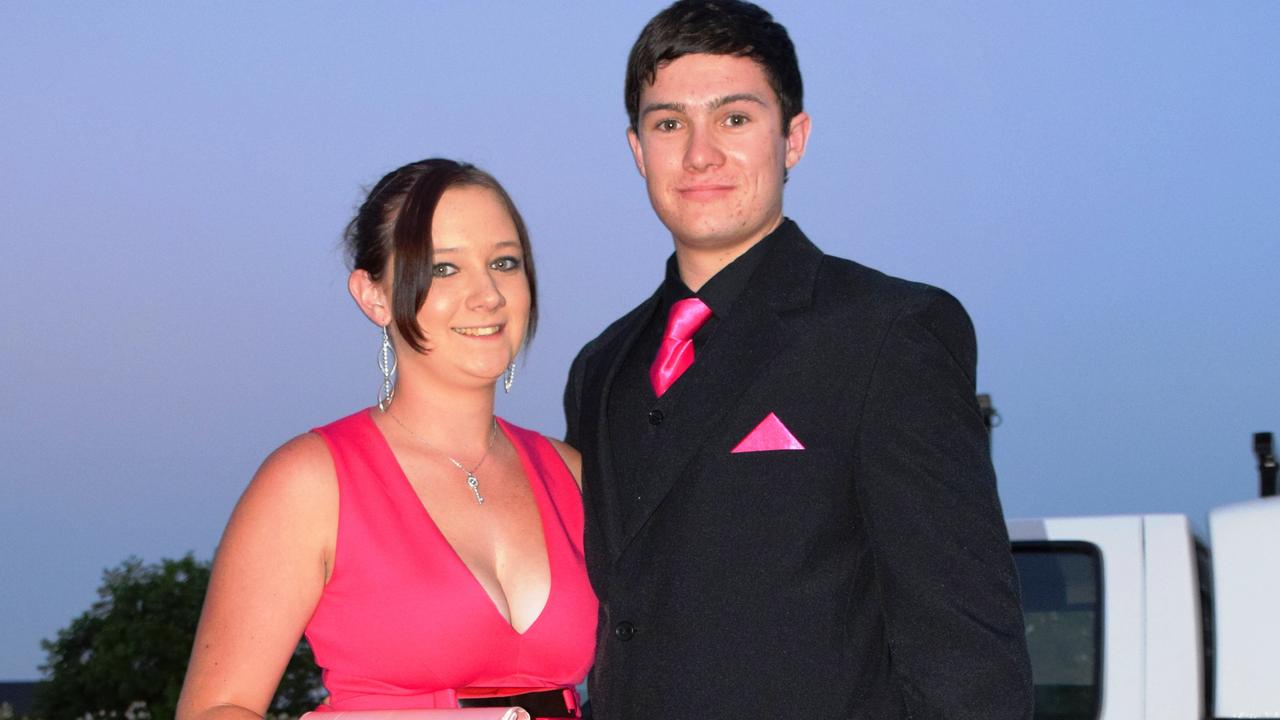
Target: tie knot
686, 317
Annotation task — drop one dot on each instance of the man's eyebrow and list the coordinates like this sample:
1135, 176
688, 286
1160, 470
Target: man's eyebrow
658, 107
736, 97
713, 105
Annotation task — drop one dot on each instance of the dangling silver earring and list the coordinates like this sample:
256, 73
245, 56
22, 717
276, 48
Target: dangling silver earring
509, 379
387, 364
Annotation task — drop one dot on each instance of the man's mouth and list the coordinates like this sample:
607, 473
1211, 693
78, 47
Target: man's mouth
704, 191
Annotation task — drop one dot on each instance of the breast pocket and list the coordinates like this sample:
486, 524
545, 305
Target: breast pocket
787, 479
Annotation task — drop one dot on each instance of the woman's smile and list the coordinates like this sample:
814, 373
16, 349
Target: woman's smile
481, 331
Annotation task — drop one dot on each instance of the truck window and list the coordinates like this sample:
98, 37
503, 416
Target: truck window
1061, 586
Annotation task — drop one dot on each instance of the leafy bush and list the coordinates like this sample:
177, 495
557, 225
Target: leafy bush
127, 655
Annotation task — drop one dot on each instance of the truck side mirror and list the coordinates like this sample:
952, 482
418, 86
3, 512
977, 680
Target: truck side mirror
1264, 448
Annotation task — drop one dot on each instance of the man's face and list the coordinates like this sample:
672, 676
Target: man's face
710, 147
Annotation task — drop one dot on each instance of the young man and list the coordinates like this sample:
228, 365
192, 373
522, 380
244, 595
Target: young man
791, 511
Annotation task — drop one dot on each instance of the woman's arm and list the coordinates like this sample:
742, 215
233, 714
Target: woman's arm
268, 574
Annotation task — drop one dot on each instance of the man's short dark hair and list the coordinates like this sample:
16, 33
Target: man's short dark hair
716, 27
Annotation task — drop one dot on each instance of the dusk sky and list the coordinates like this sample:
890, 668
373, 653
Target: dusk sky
1098, 183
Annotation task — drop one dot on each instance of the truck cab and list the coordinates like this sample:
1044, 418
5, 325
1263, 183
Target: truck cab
1132, 616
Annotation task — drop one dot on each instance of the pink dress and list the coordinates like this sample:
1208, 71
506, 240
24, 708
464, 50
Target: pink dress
403, 623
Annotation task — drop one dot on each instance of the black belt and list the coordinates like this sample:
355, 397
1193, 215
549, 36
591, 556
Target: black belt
542, 704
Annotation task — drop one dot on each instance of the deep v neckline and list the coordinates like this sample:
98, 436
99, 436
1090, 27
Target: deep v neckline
539, 498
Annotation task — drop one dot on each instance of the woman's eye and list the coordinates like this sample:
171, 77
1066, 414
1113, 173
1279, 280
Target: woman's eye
507, 263
443, 269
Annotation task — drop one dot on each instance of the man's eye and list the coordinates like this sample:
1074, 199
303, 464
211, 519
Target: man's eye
507, 263
443, 269
668, 125
736, 120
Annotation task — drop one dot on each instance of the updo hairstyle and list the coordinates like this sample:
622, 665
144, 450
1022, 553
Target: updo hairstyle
394, 223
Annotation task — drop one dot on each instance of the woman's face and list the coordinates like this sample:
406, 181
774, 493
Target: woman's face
477, 309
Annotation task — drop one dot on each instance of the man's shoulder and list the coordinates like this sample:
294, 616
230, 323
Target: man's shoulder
849, 294
628, 321
844, 283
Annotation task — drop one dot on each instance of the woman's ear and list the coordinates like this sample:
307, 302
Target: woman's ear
371, 296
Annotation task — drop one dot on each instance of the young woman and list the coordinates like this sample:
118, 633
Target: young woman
430, 551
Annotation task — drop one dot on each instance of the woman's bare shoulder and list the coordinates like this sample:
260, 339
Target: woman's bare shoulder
305, 456
572, 458
299, 476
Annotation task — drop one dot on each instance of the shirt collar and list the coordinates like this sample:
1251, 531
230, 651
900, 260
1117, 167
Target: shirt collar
724, 288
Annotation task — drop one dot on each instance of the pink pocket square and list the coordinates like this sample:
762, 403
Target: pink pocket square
770, 434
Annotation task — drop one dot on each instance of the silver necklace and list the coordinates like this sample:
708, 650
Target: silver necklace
472, 481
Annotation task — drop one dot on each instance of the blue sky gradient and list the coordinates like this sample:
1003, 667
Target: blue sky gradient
1099, 183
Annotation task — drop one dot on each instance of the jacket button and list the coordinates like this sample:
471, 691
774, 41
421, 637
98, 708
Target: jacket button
655, 417
625, 631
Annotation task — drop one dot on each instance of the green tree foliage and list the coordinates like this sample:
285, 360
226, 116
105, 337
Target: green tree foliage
126, 656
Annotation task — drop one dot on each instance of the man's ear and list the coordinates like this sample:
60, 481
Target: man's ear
371, 296
798, 138
637, 151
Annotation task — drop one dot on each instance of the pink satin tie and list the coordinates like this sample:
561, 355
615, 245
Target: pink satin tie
675, 355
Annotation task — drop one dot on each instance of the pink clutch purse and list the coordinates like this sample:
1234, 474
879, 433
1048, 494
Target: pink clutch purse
485, 713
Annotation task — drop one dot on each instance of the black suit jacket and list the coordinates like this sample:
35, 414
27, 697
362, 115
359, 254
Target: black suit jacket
866, 576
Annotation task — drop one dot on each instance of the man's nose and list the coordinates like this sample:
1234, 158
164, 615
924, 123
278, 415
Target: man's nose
703, 151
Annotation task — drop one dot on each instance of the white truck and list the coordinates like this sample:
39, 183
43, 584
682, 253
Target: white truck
1133, 617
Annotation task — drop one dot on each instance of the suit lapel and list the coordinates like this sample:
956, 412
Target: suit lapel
741, 346
599, 383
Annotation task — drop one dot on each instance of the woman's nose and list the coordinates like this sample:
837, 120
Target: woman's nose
486, 295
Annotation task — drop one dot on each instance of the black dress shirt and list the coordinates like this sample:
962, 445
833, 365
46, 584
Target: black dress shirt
636, 414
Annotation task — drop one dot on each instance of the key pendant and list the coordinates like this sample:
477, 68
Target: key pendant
475, 487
